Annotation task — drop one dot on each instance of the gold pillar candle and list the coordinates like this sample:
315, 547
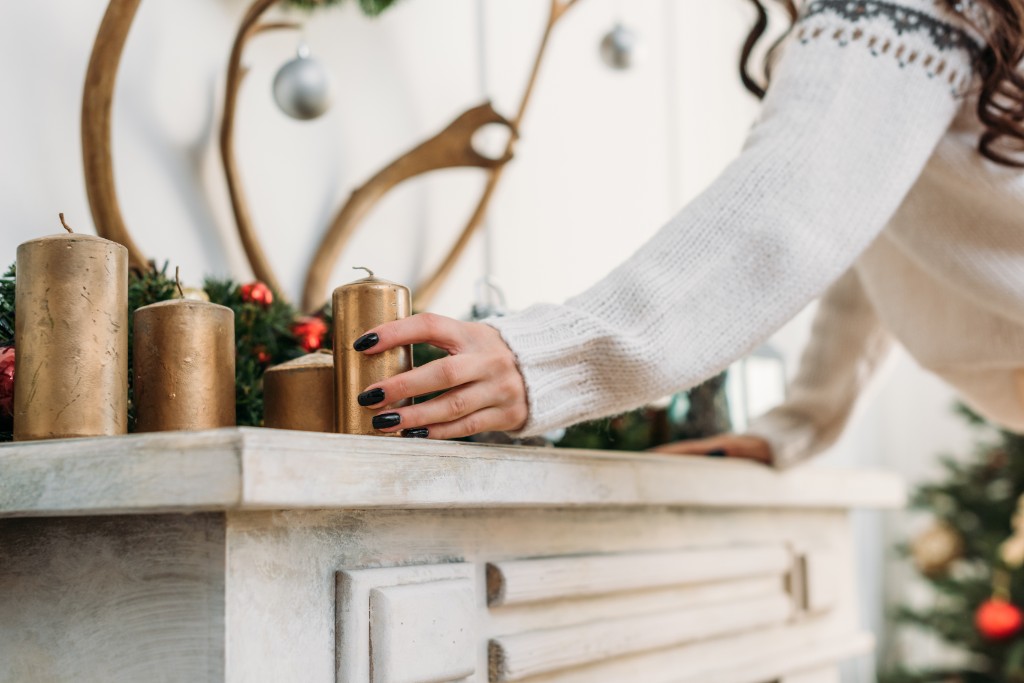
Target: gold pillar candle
358, 307
299, 394
71, 336
184, 366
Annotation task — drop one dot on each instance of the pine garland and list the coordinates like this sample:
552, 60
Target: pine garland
263, 334
7, 307
370, 8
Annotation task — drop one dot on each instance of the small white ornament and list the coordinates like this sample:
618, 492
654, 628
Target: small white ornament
620, 47
302, 88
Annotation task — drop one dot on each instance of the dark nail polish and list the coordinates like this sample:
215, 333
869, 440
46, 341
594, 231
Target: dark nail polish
417, 433
386, 420
371, 397
716, 453
367, 341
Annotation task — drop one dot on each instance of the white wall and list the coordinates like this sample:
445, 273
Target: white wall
605, 158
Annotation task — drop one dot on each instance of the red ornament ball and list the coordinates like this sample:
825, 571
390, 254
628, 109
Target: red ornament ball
998, 619
310, 331
257, 293
6, 382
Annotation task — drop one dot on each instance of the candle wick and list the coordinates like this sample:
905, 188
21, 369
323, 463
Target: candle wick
370, 276
177, 281
65, 224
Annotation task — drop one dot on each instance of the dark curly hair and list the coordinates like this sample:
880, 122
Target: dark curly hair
1001, 85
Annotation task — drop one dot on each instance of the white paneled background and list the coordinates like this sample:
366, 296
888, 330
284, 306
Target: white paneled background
606, 157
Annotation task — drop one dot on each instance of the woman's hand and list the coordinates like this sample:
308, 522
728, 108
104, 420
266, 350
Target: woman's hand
487, 392
724, 445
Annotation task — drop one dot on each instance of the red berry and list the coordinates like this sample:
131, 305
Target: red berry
310, 331
257, 293
997, 619
6, 381
262, 356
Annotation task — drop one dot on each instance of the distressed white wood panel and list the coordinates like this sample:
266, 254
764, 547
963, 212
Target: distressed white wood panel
556, 613
521, 581
828, 674
519, 656
114, 599
423, 633
244, 468
752, 657
353, 610
281, 606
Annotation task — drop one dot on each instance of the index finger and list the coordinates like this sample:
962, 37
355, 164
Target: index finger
422, 328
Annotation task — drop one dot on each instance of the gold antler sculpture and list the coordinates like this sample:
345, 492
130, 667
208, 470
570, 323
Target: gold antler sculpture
450, 148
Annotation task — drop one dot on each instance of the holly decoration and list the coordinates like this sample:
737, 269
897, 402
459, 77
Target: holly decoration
6, 385
267, 332
257, 293
310, 331
998, 619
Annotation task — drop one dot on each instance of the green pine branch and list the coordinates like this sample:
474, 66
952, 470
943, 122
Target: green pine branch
370, 8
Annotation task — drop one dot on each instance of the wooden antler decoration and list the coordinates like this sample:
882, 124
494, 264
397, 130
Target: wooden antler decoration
363, 199
450, 148
425, 293
261, 267
97, 99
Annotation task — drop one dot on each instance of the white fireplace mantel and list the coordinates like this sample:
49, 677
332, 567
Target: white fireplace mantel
261, 555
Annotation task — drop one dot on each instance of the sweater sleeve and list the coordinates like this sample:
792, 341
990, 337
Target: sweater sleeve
847, 345
858, 102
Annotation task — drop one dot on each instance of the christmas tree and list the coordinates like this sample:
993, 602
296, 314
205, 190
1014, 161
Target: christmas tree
972, 558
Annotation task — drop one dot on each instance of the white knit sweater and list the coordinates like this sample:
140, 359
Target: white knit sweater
861, 171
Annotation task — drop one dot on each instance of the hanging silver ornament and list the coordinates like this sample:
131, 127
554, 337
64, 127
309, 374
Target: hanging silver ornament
620, 47
302, 88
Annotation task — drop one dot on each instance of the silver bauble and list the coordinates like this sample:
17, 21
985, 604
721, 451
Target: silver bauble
620, 47
302, 88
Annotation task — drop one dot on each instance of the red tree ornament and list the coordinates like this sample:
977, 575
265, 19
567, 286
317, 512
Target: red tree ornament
257, 293
998, 619
310, 331
6, 382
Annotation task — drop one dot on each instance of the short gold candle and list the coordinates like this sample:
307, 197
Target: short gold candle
71, 336
358, 307
299, 394
184, 366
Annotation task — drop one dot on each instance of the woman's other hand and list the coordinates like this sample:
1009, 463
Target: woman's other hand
724, 445
485, 390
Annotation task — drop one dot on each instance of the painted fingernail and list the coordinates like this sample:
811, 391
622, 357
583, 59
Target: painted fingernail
367, 341
716, 453
417, 433
371, 397
386, 420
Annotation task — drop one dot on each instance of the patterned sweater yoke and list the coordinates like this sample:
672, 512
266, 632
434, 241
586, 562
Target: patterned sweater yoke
857, 176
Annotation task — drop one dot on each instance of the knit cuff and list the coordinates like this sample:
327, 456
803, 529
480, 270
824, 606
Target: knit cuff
547, 353
791, 437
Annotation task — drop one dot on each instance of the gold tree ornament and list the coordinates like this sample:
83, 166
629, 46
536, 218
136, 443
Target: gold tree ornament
936, 549
1012, 549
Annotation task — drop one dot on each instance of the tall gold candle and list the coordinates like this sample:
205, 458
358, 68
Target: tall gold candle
360, 306
299, 394
71, 336
184, 366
